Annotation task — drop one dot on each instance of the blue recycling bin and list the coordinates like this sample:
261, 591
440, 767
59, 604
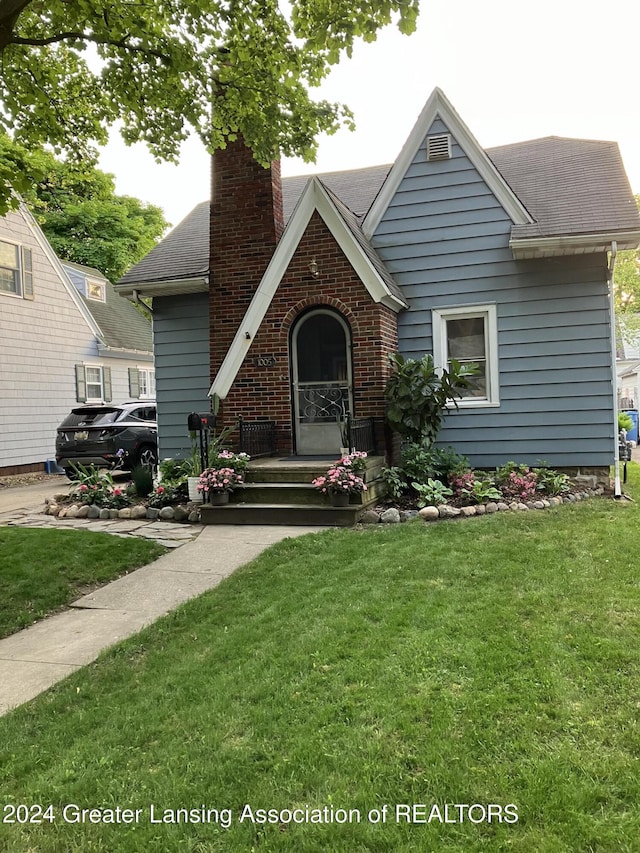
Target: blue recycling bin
632, 434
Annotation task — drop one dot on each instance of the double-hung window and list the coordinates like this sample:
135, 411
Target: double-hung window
468, 334
16, 270
93, 383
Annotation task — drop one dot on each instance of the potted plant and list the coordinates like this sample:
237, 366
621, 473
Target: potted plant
356, 461
339, 483
215, 484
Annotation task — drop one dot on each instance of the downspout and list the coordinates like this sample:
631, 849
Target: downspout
617, 491
137, 298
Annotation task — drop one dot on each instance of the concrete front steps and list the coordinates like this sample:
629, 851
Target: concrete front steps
279, 491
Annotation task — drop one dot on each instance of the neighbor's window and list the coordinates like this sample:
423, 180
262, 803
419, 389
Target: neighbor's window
95, 387
96, 290
469, 335
16, 275
93, 383
147, 380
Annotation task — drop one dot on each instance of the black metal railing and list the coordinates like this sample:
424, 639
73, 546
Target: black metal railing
257, 438
361, 434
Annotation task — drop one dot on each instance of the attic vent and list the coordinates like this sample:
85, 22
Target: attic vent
439, 147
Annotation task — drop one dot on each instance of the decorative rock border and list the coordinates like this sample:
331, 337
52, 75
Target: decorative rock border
184, 513
436, 513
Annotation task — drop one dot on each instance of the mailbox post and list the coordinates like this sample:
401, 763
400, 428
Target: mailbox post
200, 425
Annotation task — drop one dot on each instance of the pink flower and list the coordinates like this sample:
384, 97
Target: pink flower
82, 488
117, 492
160, 490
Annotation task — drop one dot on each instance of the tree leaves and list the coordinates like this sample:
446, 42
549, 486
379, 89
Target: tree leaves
83, 218
166, 67
417, 394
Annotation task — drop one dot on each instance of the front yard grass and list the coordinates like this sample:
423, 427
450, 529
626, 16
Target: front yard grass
491, 661
42, 571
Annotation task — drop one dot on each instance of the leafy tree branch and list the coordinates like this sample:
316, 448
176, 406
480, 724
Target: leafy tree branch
164, 69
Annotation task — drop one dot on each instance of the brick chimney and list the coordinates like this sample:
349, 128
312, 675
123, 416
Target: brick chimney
246, 224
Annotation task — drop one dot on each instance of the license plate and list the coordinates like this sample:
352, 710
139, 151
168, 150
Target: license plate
81, 435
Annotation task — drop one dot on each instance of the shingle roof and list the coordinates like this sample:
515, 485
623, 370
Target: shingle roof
183, 254
569, 186
121, 324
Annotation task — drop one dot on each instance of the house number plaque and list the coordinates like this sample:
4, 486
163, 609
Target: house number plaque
265, 360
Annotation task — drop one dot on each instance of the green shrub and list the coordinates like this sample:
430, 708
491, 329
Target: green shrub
142, 477
432, 493
625, 421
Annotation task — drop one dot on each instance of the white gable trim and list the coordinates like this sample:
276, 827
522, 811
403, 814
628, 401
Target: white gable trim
313, 198
54, 260
439, 106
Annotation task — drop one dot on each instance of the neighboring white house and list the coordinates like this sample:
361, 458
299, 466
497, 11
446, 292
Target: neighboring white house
62, 342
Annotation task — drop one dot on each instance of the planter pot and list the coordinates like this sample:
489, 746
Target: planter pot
194, 494
218, 498
340, 499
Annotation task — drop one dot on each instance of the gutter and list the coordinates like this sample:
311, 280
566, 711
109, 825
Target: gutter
617, 493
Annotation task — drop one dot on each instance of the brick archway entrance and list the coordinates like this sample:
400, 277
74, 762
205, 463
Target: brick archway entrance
322, 384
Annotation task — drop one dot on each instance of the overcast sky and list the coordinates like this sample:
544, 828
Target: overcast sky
512, 71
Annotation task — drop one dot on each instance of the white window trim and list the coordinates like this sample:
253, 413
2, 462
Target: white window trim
92, 282
151, 380
101, 397
19, 293
460, 312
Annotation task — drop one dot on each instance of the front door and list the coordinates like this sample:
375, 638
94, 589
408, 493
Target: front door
321, 369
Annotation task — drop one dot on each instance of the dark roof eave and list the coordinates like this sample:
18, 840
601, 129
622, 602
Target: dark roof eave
169, 287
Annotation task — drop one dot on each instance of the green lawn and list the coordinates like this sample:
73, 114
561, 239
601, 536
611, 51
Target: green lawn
44, 570
493, 662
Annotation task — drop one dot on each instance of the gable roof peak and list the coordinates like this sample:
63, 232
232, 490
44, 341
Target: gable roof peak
439, 106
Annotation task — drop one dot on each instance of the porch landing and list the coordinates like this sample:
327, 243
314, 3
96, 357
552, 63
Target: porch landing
279, 491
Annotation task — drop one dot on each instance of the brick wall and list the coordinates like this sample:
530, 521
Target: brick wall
246, 224
261, 392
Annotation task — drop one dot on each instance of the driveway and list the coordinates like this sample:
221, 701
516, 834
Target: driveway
33, 495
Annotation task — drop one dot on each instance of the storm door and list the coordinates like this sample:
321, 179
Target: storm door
321, 371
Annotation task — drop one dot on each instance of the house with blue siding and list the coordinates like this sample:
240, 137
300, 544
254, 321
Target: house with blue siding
279, 301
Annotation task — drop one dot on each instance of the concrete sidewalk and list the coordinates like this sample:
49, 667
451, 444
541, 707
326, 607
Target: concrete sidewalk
34, 659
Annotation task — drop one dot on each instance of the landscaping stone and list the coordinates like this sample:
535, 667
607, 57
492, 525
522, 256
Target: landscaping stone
83, 511
113, 513
180, 513
429, 513
125, 512
468, 511
153, 512
408, 515
104, 513
72, 511
369, 516
491, 507
538, 504
94, 511
447, 511
139, 511
481, 509
501, 506
390, 516
52, 509
166, 513
194, 516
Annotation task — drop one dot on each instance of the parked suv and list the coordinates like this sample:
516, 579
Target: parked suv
108, 436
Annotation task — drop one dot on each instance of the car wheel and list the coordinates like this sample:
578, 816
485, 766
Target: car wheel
147, 456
